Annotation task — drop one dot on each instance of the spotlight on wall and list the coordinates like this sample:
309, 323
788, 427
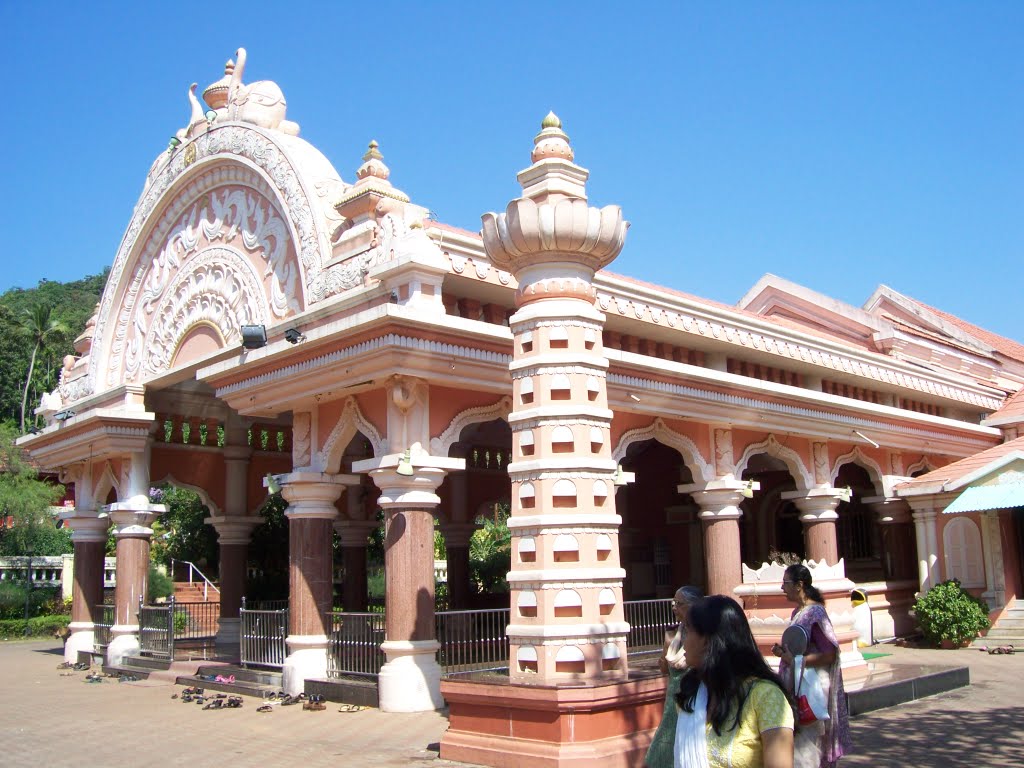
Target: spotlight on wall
394, 297
405, 464
294, 336
173, 144
845, 494
63, 415
254, 336
747, 491
620, 477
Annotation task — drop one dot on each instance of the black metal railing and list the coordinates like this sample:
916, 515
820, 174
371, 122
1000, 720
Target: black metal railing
101, 628
472, 641
648, 620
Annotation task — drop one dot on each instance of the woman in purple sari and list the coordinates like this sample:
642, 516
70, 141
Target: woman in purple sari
822, 743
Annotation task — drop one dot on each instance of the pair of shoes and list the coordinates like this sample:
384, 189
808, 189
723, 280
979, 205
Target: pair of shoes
209, 678
315, 703
94, 678
215, 704
65, 665
185, 698
350, 708
234, 702
128, 679
265, 708
81, 666
289, 700
229, 679
194, 691
1001, 650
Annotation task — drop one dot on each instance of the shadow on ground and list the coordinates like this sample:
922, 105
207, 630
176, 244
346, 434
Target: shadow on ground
953, 738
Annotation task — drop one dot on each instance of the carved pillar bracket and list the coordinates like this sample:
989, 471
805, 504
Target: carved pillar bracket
410, 680
311, 513
818, 514
720, 513
89, 536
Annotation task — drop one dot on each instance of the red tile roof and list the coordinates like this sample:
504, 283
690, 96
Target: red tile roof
958, 469
1001, 344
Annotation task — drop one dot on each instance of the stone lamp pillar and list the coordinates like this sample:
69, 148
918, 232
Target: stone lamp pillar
567, 619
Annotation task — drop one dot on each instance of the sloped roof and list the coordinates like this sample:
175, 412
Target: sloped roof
1001, 344
959, 473
1011, 412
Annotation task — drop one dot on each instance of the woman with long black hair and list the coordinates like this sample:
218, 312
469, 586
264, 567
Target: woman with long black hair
733, 710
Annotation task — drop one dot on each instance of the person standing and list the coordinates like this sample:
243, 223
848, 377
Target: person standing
733, 710
671, 663
821, 743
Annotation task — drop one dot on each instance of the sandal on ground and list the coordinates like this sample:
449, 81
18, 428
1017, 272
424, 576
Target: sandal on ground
215, 704
81, 666
229, 679
65, 665
234, 702
350, 708
265, 708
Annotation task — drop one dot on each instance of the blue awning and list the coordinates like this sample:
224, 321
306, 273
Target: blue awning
982, 497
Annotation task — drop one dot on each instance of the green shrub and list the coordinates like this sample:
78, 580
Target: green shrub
947, 612
12, 600
40, 626
160, 584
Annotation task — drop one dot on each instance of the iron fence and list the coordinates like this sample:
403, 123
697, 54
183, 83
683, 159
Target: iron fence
262, 636
354, 644
195, 621
156, 630
472, 641
101, 628
649, 620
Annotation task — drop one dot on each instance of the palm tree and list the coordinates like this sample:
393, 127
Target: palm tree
41, 329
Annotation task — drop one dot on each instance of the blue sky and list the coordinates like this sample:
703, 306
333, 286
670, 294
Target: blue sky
838, 145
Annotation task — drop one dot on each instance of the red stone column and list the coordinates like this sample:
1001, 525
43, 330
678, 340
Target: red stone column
89, 534
720, 515
353, 535
410, 680
818, 514
311, 512
456, 540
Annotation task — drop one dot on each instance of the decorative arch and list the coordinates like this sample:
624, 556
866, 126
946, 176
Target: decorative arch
200, 492
789, 457
350, 422
921, 467
104, 483
658, 430
287, 175
442, 444
856, 456
961, 545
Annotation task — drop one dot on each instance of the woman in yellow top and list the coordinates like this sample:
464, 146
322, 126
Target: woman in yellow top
733, 710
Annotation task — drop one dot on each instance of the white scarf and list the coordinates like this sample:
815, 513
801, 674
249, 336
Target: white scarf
675, 656
691, 748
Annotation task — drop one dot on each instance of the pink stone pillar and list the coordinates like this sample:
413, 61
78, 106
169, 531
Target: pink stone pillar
410, 680
720, 515
89, 534
310, 513
818, 514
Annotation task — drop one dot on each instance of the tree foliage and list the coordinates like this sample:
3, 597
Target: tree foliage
71, 305
490, 552
28, 526
181, 533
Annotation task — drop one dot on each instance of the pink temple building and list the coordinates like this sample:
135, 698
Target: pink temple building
643, 438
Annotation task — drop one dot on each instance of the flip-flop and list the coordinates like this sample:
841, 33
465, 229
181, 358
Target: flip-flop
265, 708
351, 708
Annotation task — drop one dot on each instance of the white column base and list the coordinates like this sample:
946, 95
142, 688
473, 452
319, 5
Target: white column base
307, 660
121, 645
82, 638
410, 680
229, 632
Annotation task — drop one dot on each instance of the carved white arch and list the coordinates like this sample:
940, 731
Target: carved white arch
864, 462
204, 497
104, 483
219, 287
442, 444
789, 457
351, 421
924, 465
658, 430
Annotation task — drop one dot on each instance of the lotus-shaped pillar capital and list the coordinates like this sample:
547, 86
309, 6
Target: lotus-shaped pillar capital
566, 231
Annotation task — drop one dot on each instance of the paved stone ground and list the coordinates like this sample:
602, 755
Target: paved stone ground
53, 720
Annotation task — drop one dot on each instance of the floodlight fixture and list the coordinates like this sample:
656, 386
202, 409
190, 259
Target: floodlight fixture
254, 336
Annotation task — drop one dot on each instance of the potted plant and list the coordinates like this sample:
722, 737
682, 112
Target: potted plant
949, 616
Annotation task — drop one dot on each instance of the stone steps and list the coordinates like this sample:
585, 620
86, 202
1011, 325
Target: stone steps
248, 682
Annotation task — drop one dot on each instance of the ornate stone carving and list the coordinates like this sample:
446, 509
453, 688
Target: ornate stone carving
301, 442
771, 446
658, 430
349, 423
439, 446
